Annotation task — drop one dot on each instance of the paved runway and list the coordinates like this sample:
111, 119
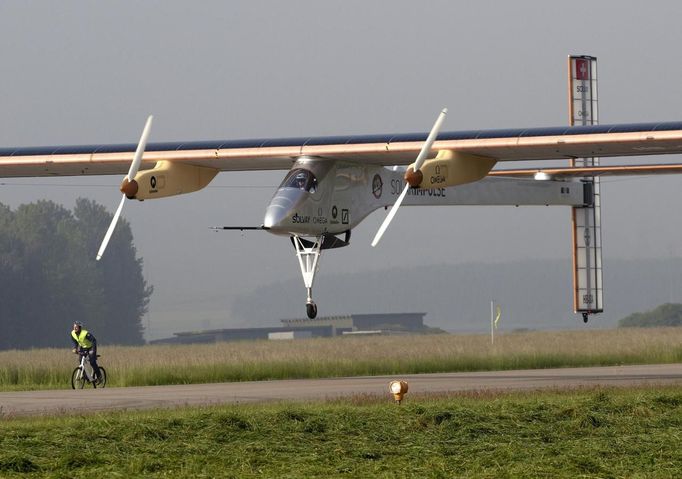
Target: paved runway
69, 401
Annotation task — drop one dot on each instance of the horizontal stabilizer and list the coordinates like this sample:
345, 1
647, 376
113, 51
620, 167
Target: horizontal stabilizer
579, 172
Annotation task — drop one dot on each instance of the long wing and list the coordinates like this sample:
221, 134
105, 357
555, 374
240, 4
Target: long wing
392, 149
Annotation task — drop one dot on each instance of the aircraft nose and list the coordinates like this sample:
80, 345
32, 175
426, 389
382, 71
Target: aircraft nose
280, 209
274, 214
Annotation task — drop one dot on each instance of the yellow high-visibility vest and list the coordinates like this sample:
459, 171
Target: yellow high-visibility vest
81, 339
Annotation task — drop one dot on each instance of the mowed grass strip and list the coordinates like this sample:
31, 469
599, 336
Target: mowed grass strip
585, 433
345, 356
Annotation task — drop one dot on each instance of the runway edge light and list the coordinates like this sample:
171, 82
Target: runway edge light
398, 389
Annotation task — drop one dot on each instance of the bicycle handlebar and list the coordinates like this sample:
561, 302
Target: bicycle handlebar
85, 353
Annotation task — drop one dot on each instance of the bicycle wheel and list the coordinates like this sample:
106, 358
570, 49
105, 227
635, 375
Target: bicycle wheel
77, 379
102, 381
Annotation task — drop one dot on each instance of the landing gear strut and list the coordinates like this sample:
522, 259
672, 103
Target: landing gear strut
308, 254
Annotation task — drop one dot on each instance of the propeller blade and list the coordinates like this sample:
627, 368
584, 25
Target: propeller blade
107, 236
429, 140
135, 165
417, 166
389, 217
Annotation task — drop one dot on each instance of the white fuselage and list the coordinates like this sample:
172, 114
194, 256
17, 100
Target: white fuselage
334, 196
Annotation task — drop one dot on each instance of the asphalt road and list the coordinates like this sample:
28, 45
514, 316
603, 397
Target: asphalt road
90, 400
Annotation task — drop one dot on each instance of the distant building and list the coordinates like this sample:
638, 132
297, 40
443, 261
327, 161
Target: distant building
398, 323
388, 323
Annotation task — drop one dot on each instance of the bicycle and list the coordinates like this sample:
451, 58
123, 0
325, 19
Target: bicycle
83, 373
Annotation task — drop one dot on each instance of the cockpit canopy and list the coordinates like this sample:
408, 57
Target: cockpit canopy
300, 179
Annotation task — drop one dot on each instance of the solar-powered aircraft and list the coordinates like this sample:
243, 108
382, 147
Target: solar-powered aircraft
332, 183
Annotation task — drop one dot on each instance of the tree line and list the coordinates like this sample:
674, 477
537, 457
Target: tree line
49, 277
669, 314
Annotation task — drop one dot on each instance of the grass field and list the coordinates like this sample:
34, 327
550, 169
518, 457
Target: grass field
589, 434
345, 356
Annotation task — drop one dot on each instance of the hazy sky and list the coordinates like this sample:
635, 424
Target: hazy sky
90, 72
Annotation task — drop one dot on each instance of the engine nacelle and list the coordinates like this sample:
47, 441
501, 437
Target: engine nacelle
169, 178
451, 168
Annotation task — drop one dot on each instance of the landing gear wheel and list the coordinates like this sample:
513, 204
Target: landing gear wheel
311, 310
585, 317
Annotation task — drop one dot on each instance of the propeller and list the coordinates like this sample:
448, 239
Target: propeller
413, 176
129, 186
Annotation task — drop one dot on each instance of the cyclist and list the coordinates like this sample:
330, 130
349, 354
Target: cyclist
84, 342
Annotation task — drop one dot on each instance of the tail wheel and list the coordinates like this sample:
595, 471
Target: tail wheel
102, 381
77, 379
311, 310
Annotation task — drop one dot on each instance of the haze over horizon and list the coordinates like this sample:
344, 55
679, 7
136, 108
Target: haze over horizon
82, 73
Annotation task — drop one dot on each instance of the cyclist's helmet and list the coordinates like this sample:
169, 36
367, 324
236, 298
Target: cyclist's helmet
78, 323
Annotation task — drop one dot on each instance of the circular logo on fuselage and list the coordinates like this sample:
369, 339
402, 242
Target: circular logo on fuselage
377, 186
